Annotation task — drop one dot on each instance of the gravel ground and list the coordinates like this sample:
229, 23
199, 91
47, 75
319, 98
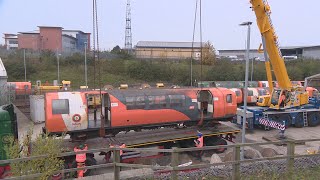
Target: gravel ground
277, 166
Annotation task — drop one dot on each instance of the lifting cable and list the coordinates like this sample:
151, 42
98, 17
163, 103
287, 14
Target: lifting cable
201, 41
201, 51
97, 57
192, 48
94, 41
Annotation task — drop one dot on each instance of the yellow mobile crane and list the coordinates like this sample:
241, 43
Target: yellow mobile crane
294, 95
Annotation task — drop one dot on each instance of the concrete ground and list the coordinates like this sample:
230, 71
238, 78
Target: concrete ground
25, 124
292, 133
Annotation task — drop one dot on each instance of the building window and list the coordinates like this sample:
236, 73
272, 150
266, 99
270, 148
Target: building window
229, 98
60, 106
13, 42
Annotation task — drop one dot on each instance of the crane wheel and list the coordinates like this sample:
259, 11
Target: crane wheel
299, 121
313, 119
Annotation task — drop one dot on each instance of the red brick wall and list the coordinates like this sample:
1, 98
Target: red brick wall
51, 38
29, 41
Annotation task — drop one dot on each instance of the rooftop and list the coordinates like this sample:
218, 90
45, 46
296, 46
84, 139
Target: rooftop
282, 47
50, 27
30, 32
163, 44
66, 35
70, 30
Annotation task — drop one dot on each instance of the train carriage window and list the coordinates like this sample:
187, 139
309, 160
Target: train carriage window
262, 92
177, 100
237, 93
229, 98
137, 102
140, 102
250, 93
157, 101
130, 102
60, 106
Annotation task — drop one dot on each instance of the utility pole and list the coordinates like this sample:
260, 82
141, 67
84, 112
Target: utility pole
85, 65
244, 121
58, 63
25, 65
128, 34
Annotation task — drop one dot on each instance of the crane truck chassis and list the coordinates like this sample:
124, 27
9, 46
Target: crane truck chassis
305, 115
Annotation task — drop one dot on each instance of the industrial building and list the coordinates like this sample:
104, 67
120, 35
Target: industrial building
167, 50
48, 38
289, 52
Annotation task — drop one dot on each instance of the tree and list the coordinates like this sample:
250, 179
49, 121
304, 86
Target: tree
208, 54
42, 145
122, 53
116, 50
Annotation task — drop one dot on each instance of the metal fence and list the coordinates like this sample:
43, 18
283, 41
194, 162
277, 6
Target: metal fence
7, 94
4, 53
288, 163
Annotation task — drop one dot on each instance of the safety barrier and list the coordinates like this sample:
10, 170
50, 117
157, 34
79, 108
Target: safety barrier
235, 164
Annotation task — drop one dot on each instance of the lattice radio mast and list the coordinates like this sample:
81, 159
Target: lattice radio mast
128, 34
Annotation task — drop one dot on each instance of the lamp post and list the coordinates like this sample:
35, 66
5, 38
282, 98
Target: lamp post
25, 65
252, 69
85, 64
58, 62
245, 86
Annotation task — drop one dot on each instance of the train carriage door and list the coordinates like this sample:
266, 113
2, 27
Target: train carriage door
71, 108
106, 109
205, 102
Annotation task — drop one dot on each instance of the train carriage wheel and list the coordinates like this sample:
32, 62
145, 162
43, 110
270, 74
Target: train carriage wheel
222, 149
313, 119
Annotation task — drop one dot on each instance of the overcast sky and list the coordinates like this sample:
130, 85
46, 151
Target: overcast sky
296, 22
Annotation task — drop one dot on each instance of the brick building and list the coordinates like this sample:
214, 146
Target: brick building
49, 38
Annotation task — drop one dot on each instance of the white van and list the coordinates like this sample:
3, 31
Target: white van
290, 57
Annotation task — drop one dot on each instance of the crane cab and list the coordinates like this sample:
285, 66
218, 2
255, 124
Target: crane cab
284, 99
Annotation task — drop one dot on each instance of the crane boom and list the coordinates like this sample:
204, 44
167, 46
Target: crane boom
287, 95
262, 11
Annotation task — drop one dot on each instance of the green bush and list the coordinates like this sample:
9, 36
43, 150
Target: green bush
122, 70
42, 145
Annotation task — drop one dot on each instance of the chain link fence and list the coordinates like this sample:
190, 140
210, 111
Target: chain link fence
7, 94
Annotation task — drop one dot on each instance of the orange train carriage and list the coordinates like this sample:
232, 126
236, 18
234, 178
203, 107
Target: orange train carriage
125, 110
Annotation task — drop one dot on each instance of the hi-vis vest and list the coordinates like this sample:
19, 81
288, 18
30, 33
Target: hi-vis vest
199, 143
122, 146
80, 158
